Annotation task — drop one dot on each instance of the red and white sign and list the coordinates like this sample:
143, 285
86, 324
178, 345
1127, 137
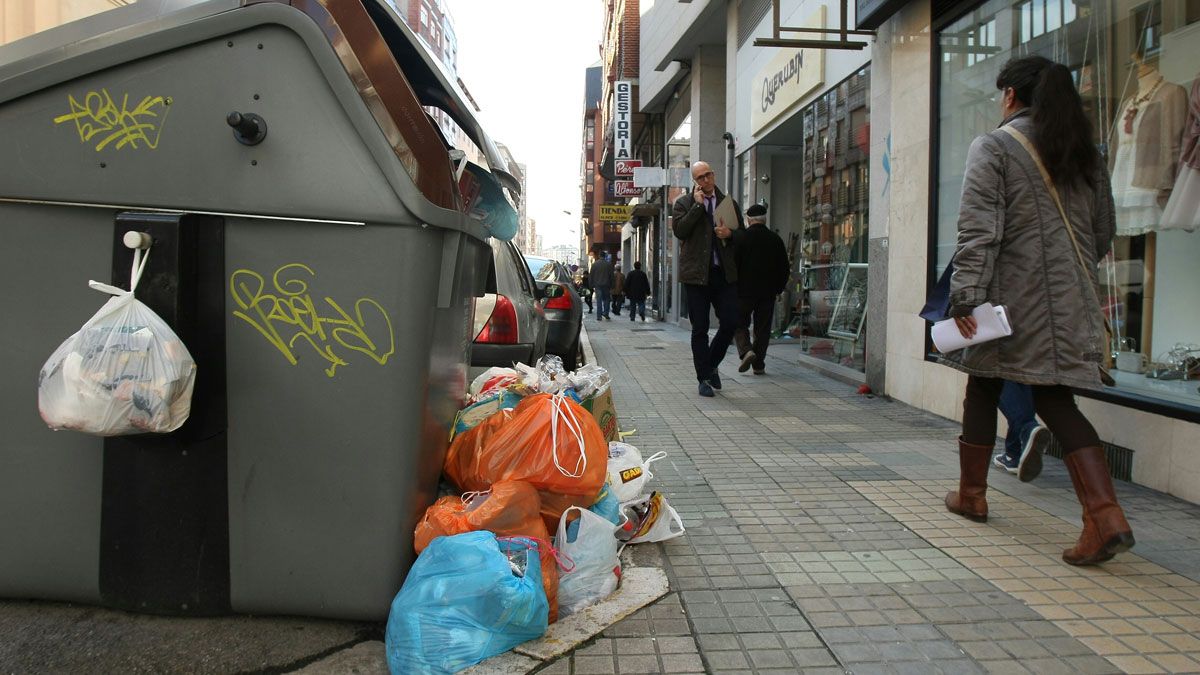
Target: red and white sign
625, 167
626, 188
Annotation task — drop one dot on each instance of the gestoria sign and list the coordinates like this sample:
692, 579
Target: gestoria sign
789, 77
623, 120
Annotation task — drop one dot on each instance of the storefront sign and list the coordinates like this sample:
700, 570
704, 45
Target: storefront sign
789, 77
626, 188
625, 167
622, 120
649, 177
615, 213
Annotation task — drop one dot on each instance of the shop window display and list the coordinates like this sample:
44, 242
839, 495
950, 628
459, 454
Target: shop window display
1137, 67
829, 252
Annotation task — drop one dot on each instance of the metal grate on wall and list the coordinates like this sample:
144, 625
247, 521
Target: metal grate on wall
750, 13
1120, 460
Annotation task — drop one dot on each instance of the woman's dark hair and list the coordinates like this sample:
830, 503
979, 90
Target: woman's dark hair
1062, 133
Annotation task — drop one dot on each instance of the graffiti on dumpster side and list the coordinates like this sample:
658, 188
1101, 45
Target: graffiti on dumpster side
102, 121
289, 318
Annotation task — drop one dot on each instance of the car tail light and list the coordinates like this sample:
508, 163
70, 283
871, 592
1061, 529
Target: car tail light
501, 326
561, 302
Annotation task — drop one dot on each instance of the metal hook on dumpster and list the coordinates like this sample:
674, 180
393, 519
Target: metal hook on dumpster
137, 240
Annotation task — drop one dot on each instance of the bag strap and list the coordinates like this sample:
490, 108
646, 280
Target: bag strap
1037, 161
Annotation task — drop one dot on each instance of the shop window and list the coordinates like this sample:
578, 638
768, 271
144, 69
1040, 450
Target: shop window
1137, 68
827, 242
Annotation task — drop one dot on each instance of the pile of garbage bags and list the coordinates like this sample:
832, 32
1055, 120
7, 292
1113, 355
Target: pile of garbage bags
543, 505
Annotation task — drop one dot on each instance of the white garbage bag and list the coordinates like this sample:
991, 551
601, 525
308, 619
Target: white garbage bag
653, 520
627, 472
594, 550
124, 372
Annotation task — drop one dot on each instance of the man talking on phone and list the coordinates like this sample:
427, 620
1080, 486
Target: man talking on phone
708, 270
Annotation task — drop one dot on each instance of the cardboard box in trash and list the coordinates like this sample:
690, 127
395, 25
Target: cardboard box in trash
605, 412
472, 415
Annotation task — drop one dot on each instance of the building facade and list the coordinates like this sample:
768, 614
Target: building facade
859, 155
1136, 65
591, 183
619, 123
433, 24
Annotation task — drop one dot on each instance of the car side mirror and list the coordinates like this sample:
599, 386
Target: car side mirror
551, 291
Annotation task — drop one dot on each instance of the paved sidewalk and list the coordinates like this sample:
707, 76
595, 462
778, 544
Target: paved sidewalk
817, 540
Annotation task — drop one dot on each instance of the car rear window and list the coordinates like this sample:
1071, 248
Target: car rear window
542, 269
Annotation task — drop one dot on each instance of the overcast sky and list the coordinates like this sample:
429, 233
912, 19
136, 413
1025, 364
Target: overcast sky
524, 64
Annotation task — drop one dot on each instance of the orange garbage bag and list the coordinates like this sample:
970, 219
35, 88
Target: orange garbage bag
466, 448
549, 441
511, 508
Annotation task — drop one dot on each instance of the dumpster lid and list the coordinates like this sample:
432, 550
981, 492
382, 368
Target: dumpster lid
57, 43
435, 88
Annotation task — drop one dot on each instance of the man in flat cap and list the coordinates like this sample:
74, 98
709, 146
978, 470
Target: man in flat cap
762, 263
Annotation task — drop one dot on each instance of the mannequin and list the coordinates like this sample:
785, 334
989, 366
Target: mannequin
1147, 135
1182, 211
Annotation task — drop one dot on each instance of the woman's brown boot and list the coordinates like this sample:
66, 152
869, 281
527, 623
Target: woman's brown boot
1105, 530
969, 500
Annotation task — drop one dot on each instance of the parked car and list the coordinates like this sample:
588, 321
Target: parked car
564, 313
510, 324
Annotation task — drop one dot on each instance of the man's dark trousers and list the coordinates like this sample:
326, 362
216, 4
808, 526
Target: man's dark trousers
721, 295
762, 310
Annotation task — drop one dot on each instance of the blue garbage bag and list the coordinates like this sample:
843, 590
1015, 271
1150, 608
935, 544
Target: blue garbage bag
467, 598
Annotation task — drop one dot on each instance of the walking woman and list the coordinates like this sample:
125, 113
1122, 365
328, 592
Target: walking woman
1036, 216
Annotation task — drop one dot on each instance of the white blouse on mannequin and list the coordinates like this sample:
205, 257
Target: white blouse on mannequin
1137, 208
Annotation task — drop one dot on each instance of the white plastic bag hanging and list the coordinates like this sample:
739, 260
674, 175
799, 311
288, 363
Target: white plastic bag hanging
594, 549
124, 372
653, 520
627, 472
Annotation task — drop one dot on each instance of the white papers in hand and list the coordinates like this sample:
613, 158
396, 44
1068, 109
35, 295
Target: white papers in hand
726, 214
993, 324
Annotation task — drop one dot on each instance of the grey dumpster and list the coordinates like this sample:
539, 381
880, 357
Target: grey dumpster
313, 249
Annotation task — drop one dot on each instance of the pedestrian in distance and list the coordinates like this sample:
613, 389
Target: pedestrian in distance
618, 290
585, 289
762, 263
602, 279
637, 289
1026, 440
1036, 217
708, 270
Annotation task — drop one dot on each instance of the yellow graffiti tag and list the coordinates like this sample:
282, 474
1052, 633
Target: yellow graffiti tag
99, 119
286, 315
